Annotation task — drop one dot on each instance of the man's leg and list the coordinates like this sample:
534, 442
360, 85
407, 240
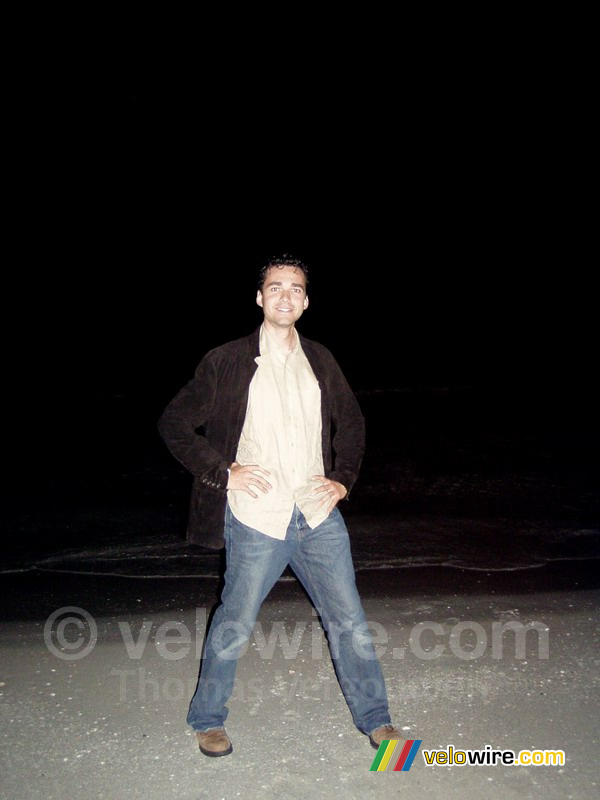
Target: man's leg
254, 562
323, 562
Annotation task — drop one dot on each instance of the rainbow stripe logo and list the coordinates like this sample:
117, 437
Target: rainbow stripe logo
394, 751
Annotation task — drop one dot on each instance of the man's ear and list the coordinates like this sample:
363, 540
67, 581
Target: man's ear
306, 302
259, 299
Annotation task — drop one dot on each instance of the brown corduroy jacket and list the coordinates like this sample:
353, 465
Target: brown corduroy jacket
202, 425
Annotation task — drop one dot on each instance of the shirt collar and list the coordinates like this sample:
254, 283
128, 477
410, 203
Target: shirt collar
268, 344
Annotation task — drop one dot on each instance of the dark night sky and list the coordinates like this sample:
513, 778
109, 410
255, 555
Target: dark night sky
443, 253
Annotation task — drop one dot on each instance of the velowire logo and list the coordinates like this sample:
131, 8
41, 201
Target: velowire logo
394, 755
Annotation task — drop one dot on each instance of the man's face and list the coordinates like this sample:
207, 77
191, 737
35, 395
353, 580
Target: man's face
283, 296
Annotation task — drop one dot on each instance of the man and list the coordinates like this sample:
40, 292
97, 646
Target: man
281, 443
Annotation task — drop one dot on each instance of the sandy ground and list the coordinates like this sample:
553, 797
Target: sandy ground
111, 724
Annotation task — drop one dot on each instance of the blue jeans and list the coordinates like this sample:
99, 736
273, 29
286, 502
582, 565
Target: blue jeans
321, 559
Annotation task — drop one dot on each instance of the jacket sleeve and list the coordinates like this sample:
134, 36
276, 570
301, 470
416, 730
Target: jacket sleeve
348, 442
181, 420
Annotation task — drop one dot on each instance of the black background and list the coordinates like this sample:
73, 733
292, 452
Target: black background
445, 227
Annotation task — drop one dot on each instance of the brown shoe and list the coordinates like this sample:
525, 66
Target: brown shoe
214, 742
385, 732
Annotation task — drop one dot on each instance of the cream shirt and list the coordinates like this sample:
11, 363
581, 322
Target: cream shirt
282, 434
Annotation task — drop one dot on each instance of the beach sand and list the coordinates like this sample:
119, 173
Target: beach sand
111, 724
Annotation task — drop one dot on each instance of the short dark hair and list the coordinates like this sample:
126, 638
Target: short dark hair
284, 260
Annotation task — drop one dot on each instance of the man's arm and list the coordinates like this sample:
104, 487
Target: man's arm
348, 441
178, 426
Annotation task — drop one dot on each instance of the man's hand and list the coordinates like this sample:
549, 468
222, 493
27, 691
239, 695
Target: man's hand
332, 492
243, 477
